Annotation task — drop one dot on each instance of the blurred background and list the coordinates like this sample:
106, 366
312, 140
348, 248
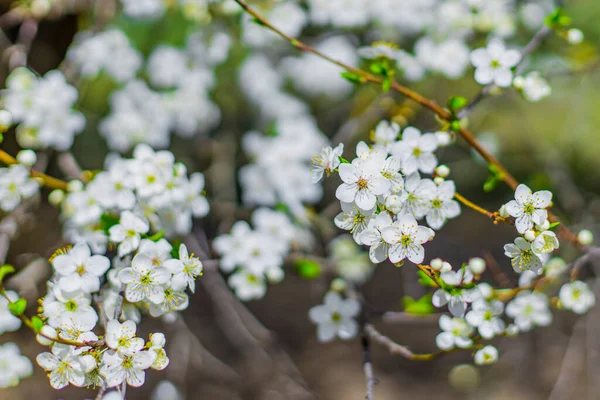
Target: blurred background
267, 349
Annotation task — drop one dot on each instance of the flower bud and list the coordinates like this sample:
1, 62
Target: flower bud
476, 265
158, 339
503, 213
446, 267
585, 237
529, 235
574, 36
436, 264
544, 226
443, 138
56, 197
442, 171
75, 186
275, 275
438, 180
394, 203
88, 363
27, 157
338, 285
46, 335
5, 120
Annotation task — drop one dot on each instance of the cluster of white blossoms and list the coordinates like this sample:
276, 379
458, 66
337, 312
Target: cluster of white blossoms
132, 197
154, 281
383, 195
13, 365
256, 256
109, 51
175, 99
196, 10
16, 185
43, 109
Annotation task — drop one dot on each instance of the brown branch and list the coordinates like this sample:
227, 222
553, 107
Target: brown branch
393, 347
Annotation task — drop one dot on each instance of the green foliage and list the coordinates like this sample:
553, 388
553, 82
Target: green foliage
422, 306
425, 280
352, 77
37, 324
343, 160
456, 103
495, 177
307, 269
107, 221
554, 225
18, 307
157, 236
176, 243
557, 19
5, 270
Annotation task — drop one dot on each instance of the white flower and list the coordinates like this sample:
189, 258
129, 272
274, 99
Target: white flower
378, 252
528, 208
522, 256
64, 306
487, 355
577, 297
486, 317
529, 310
144, 280
15, 184
247, 285
419, 193
362, 184
121, 337
406, 237
386, 133
335, 317
117, 367
533, 86
353, 219
8, 322
443, 206
64, 366
127, 232
158, 252
456, 299
546, 242
78, 269
326, 161
456, 332
157, 344
416, 151
185, 270
13, 365
493, 64
232, 247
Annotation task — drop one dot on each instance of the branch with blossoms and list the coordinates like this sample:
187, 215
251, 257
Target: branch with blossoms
131, 227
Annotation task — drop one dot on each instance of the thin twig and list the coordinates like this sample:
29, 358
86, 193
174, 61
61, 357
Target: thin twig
368, 367
393, 347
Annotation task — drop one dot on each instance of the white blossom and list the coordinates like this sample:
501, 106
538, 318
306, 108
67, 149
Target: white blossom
529, 309
493, 64
335, 317
529, 208
577, 297
406, 237
456, 332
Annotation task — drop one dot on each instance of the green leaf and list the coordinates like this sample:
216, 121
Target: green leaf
423, 306
456, 103
377, 68
425, 280
258, 21
308, 269
455, 125
37, 324
5, 270
352, 77
386, 85
557, 18
343, 160
176, 243
554, 225
18, 307
157, 236
282, 207
490, 184
107, 221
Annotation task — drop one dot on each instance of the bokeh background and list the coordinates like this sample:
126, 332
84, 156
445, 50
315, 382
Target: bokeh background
267, 349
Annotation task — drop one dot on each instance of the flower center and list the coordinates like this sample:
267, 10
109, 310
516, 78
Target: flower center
528, 208
417, 152
80, 270
71, 305
436, 203
406, 240
362, 183
146, 279
336, 317
495, 64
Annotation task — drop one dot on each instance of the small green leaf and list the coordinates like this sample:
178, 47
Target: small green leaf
554, 225
157, 236
377, 68
107, 221
423, 306
282, 207
456, 103
386, 85
307, 269
258, 22
18, 307
176, 243
1, 138
455, 125
5, 270
352, 77
490, 184
425, 280
343, 160
37, 324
